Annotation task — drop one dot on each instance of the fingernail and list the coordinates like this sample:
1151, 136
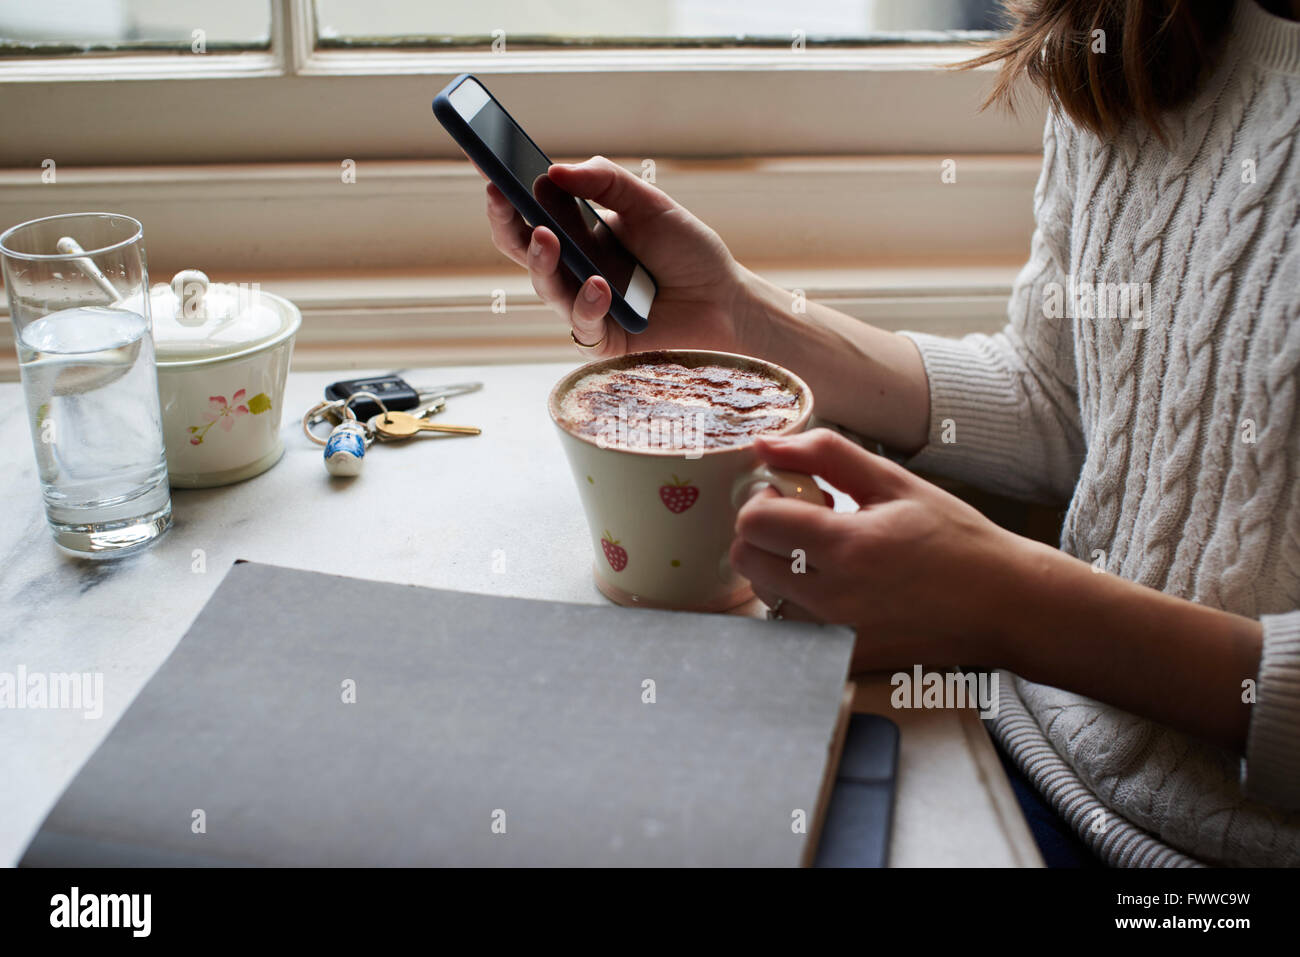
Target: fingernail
534, 249
591, 293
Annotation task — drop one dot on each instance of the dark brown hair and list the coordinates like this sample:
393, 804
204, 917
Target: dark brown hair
1156, 53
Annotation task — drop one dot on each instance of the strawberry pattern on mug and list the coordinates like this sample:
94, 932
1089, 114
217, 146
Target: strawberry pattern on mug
679, 496
615, 554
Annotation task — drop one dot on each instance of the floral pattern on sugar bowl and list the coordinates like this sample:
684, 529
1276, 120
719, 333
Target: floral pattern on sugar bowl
223, 413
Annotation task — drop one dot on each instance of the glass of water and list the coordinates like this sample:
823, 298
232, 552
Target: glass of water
78, 292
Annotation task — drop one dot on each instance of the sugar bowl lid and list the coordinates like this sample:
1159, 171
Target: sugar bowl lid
194, 318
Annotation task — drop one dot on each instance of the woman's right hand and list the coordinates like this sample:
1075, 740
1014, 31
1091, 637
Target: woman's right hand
698, 279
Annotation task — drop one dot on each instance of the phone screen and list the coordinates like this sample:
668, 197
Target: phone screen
585, 228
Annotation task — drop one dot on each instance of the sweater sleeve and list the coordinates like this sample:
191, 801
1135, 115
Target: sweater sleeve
1004, 412
1271, 771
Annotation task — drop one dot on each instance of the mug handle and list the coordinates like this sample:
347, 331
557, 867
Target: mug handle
788, 484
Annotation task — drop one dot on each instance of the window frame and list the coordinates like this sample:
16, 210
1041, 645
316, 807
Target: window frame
256, 194
680, 102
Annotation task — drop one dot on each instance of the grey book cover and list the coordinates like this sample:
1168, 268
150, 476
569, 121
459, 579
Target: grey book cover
310, 719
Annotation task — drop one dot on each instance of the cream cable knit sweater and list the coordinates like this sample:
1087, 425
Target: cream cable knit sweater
1175, 437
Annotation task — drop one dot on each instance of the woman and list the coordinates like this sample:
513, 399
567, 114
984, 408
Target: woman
1155, 706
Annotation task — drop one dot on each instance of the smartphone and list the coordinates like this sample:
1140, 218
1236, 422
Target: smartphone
513, 162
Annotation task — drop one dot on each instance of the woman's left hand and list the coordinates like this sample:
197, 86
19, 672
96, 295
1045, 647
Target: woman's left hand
922, 576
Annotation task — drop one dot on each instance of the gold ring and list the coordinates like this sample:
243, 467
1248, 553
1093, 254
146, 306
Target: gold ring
585, 345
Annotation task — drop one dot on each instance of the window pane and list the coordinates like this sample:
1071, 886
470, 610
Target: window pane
72, 26
685, 22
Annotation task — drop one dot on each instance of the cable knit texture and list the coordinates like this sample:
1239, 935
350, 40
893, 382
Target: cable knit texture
1171, 427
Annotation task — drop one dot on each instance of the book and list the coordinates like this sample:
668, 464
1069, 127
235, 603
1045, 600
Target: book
318, 720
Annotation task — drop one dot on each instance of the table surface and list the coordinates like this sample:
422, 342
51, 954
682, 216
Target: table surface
496, 514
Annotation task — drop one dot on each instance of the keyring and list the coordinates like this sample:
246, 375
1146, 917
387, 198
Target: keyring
320, 412
317, 413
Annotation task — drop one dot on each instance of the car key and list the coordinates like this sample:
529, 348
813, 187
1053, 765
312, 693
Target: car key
396, 393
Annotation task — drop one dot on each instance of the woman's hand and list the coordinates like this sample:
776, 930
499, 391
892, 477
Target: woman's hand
922, 576
926, 580
697, 276
867, 379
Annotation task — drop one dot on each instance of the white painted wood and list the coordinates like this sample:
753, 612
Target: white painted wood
394, 319
398, 268
297, 103
423, 214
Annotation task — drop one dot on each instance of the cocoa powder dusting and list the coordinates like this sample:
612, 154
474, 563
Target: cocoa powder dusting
655, 404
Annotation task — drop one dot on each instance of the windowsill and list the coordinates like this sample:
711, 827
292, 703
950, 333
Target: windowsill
236, 219
398, 318
881, 238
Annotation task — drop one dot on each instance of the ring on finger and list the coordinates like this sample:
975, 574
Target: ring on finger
585, 345
774, 613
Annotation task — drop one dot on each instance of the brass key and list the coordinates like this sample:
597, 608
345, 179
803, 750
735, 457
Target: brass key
403, 425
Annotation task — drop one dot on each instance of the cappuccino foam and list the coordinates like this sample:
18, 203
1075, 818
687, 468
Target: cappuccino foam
667, 405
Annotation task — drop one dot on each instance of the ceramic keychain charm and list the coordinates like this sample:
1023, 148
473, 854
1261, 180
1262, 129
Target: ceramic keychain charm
345, 449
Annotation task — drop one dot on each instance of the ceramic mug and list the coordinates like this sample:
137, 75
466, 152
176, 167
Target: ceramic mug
662, 516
